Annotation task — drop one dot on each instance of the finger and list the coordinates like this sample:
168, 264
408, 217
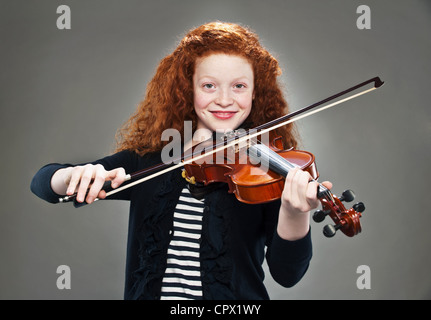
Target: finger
297, 185
294, 193
102, 194
311, 194
86, 177
327, 184
302, 185
98, 181
287, 192
118, 176
74, 179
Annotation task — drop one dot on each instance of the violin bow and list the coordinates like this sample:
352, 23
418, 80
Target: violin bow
241, 137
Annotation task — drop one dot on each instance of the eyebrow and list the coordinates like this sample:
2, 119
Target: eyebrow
242, 78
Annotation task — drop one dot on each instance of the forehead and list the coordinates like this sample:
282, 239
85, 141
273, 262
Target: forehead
220, 64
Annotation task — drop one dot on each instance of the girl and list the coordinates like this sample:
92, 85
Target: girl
181, 246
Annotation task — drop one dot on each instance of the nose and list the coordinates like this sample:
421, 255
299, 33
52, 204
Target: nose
224, 98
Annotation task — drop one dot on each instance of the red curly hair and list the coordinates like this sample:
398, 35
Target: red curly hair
168, 100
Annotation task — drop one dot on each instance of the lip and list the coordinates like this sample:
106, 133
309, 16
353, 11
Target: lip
223, 114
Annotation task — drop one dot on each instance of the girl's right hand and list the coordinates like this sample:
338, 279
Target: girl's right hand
88, 178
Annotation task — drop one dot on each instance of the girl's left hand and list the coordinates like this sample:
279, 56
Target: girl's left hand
300, 192
298, 198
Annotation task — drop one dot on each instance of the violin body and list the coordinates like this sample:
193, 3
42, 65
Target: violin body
257, 184
250, 183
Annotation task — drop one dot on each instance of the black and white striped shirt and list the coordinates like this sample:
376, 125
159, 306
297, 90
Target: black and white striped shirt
182, 279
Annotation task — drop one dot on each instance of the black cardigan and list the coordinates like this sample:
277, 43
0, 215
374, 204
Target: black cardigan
234, 235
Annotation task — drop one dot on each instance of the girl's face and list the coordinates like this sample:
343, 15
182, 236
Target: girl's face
223, 91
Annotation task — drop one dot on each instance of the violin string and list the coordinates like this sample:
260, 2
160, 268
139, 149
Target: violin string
282, 166
270, 159
326, 193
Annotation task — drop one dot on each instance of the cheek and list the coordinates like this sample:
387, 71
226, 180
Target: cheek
200, 102
245, 103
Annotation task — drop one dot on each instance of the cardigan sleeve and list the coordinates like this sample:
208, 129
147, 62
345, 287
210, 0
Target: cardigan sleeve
287, 260
41, 182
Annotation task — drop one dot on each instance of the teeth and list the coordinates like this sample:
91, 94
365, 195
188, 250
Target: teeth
223, 114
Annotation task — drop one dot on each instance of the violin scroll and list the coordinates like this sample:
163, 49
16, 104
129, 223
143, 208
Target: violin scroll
346, 220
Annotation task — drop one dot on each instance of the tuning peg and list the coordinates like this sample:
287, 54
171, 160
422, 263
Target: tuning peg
359, 207
320, 215
329, 230
347, 196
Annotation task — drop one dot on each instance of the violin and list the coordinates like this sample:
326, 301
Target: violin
263, 181
255, 171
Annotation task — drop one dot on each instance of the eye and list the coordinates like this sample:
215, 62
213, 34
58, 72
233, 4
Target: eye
239, 86
208, 86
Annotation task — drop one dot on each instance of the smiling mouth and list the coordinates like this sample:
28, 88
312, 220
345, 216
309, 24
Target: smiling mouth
223, 114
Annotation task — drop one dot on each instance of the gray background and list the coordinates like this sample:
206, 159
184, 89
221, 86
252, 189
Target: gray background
63, 94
